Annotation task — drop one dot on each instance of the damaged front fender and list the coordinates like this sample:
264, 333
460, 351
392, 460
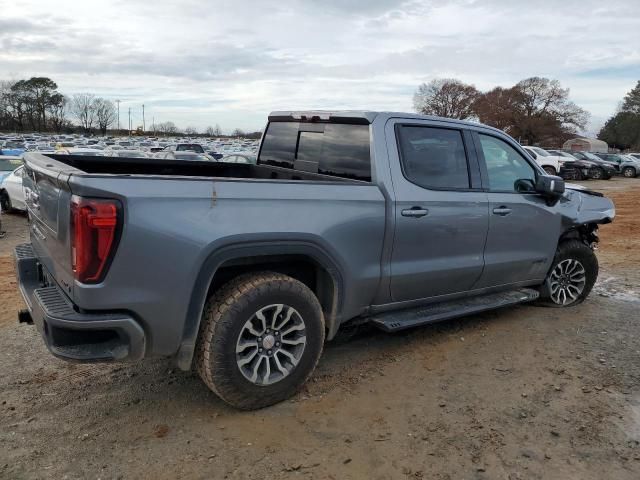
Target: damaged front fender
582, 211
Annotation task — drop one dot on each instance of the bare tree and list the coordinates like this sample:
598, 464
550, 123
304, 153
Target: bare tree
214, 131
191, 130
446, 97
535, 110
105, 113
168, 128
238, 133
82, 107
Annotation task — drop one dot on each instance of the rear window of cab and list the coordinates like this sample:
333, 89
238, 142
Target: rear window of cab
339, 150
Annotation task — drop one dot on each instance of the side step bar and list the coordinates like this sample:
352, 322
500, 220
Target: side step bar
401, 319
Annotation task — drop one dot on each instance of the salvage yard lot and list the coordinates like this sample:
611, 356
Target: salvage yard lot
519, 393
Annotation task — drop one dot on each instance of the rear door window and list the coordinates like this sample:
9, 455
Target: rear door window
433, 158
340, 150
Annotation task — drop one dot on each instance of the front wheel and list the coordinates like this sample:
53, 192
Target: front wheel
261, 337
629, 172
596, 173
549, 170
5, 202
572, 275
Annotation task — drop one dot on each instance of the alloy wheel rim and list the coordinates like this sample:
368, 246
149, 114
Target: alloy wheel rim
567, 281
271, 344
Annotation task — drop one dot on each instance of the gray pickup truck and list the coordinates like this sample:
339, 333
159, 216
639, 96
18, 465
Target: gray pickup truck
243, 271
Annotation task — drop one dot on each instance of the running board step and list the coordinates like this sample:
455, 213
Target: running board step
401, 319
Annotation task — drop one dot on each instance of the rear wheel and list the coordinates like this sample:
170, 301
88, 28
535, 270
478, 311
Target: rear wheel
572, 275
549, 170
261, 337
629, 172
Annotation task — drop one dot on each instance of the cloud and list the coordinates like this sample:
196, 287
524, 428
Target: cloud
231, 62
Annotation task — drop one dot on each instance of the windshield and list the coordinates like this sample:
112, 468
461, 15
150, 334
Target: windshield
591, 156
541, 152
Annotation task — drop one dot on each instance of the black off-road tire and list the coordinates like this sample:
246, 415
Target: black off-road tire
223, 319
597, 173
571, 250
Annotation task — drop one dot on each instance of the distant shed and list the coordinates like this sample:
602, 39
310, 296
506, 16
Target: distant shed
586, 145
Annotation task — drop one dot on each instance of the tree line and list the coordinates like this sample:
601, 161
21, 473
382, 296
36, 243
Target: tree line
535, 111
36, 105
622, 130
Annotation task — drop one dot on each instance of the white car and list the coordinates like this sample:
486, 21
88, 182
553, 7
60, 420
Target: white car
11, 192
549, 163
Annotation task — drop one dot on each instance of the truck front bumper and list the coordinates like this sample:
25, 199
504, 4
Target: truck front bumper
69, 333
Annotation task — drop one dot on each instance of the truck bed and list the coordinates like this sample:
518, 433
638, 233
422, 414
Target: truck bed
157, 166
177, 221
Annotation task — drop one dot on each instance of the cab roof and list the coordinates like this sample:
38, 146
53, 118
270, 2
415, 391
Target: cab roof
362, 117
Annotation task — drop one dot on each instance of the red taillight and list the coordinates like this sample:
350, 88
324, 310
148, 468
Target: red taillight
94, 229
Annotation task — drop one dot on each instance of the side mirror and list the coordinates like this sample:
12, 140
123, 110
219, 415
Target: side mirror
550, 185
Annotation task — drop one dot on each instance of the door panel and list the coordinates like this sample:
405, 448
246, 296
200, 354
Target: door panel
440, 231
441, 252
520, 244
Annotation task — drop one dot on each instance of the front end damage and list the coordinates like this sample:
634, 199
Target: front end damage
582, 211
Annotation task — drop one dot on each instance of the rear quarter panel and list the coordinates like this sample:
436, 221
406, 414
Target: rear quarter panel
171, 227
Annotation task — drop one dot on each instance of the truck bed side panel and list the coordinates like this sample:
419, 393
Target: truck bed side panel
171, 226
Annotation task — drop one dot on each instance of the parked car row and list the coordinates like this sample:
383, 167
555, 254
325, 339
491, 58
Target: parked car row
217, 148
573, 165
12, 195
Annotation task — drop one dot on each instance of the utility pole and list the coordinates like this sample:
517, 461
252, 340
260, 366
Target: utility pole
118, 103
129, 121
144, 128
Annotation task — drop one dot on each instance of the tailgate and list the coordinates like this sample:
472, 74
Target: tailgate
47, 197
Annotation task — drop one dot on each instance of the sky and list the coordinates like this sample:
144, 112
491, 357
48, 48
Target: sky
200, 63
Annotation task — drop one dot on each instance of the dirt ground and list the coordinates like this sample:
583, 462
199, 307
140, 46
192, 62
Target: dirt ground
520, 393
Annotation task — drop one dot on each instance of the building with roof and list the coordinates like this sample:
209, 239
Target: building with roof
583, 144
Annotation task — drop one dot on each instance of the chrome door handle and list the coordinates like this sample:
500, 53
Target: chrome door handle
415, 212
502, 211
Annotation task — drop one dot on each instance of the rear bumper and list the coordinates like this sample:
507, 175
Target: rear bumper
68, 333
